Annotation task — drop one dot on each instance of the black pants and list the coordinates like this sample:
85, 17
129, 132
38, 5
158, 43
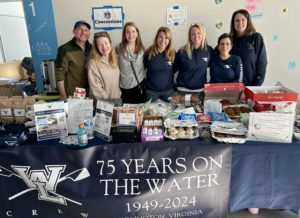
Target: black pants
134, 95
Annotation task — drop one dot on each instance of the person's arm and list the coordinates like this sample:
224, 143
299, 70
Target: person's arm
261, 63
62, 90
96, 82
239, 71
176, 64
146, 60
61, 69
211, 55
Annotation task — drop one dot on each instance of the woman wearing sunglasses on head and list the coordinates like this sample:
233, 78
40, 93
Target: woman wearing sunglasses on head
103, 69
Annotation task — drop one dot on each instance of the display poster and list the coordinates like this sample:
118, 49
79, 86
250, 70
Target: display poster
103, 119
50, 120
78, 111
176, 15
272, 127
108, 17
156, 179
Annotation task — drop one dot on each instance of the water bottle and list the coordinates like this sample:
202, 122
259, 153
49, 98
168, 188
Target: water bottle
82, 135
89, 126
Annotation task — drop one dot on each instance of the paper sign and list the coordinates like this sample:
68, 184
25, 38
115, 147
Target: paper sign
103, 119
50, 119
273, 127
108, 17
176, 15
78, 110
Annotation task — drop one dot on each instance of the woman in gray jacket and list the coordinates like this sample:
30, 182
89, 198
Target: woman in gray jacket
132, 72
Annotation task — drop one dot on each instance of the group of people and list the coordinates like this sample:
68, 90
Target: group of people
137, 74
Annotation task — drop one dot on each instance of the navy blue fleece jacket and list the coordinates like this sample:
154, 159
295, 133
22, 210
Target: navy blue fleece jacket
224, 71
160, 74
252, 51
192, 72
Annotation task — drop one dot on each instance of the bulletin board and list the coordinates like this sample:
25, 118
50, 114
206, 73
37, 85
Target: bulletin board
276, 20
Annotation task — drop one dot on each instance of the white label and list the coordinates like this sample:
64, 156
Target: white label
6, 112
19, 112
152, 139
82, 139
127, 119
187, 99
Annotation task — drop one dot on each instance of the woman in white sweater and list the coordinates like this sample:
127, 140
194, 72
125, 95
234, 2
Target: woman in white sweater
103, 69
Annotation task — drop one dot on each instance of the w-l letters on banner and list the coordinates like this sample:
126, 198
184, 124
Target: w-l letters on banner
152, 180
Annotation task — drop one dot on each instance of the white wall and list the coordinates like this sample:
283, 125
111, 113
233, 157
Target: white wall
151, 14
13, 31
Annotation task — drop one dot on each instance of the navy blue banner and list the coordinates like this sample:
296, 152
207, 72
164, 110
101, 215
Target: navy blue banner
42, 35
153, 180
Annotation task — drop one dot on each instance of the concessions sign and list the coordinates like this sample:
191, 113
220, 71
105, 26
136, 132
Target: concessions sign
161, 179
108, 17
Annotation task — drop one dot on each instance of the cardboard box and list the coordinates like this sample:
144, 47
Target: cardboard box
281, 106
145, 137
262, 106
224, 91
260, 93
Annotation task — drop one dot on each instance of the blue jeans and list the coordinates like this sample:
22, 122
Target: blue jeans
163, 95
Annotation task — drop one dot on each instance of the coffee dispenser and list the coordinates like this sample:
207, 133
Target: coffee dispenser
48, 69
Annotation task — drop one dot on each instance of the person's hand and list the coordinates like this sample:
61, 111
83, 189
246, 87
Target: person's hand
62, 98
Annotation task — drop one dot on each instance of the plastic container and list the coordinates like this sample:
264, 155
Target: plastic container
82, 135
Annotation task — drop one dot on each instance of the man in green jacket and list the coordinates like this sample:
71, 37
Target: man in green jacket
71, 61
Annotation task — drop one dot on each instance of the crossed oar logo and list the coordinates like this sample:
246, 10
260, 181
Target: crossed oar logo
44, 181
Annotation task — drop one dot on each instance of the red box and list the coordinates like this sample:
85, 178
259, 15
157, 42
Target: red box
228, 91
260, 93
260, 107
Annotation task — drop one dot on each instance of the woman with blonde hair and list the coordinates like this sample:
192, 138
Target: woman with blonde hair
132, 72
103, 69
192, 61
158, 60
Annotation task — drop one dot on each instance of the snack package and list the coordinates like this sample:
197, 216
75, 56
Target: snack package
184, 116
218, 116
79, 93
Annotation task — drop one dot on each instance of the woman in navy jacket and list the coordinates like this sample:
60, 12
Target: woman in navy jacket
192, 61
224, 66
249, 45
158, 60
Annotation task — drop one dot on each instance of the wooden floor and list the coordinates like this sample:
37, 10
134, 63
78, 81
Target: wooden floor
264, 213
